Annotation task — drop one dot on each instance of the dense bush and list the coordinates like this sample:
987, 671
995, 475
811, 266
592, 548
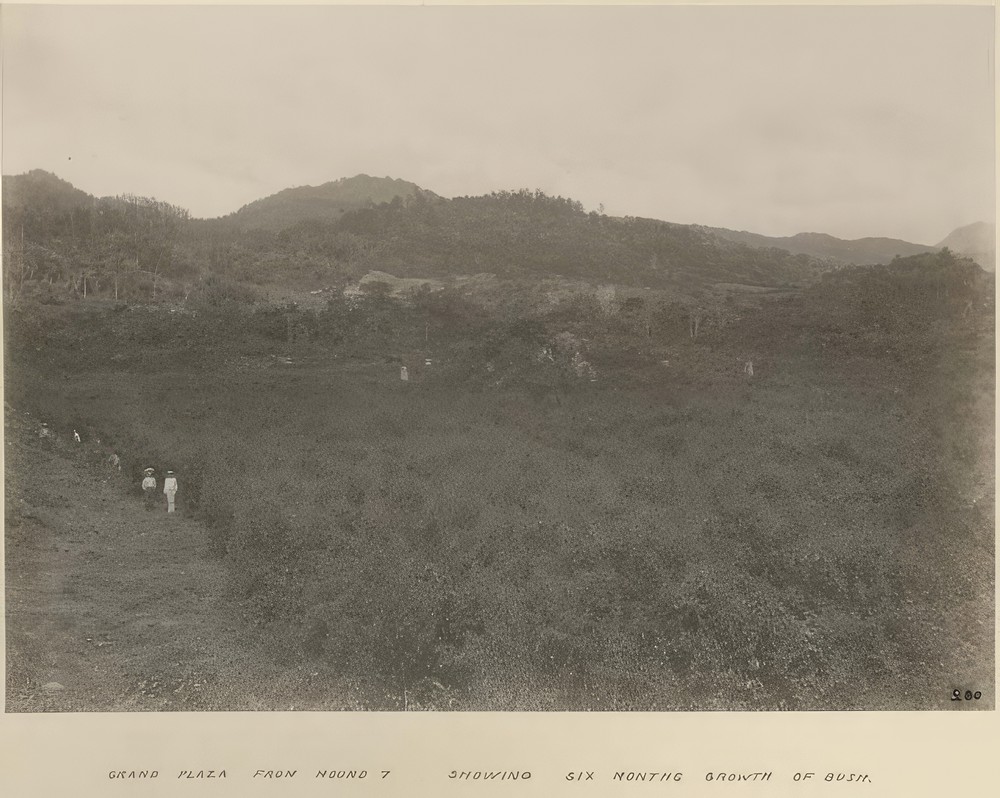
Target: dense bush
664, 537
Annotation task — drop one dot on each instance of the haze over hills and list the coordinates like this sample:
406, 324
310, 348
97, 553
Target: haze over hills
822, 245
976, 240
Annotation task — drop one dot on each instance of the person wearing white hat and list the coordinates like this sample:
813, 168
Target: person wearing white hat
149, 488
170, 490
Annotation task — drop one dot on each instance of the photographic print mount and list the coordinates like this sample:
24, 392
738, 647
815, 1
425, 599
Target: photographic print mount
644, 367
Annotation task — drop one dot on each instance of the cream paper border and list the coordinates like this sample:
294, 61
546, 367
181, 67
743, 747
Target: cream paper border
905, 754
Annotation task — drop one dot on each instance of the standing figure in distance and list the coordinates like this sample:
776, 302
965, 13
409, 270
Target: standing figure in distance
149, 488
170, 490
76, 436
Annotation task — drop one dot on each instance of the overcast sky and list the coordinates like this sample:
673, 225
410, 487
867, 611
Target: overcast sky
851, 121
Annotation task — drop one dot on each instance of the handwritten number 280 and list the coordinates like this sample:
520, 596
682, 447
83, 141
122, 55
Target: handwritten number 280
957, 695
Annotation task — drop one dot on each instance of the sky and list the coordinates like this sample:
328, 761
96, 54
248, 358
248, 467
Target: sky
854, 121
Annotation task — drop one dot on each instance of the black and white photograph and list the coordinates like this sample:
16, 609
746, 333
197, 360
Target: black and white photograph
498, 359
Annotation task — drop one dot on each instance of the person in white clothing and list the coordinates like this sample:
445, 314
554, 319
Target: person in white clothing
170, 490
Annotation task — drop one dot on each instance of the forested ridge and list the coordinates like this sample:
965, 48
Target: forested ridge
71, 241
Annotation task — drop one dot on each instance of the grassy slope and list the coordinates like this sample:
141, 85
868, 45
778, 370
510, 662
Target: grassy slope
125, 609
670, 537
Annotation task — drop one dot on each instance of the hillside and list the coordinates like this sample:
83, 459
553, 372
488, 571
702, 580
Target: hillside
137, 248
313, 237
321, 203
822, 245
976, 240
42, 192
97, 588
527, 235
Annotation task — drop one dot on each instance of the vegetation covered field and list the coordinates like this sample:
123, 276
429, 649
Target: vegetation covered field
571, 506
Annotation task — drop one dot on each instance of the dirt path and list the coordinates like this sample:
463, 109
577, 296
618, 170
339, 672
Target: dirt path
110, 607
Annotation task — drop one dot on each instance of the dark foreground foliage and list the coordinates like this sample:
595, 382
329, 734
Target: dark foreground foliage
572, 508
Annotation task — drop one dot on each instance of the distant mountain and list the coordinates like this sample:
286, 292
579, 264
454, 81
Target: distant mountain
322, 203
827, 247
43, 192
977, 241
